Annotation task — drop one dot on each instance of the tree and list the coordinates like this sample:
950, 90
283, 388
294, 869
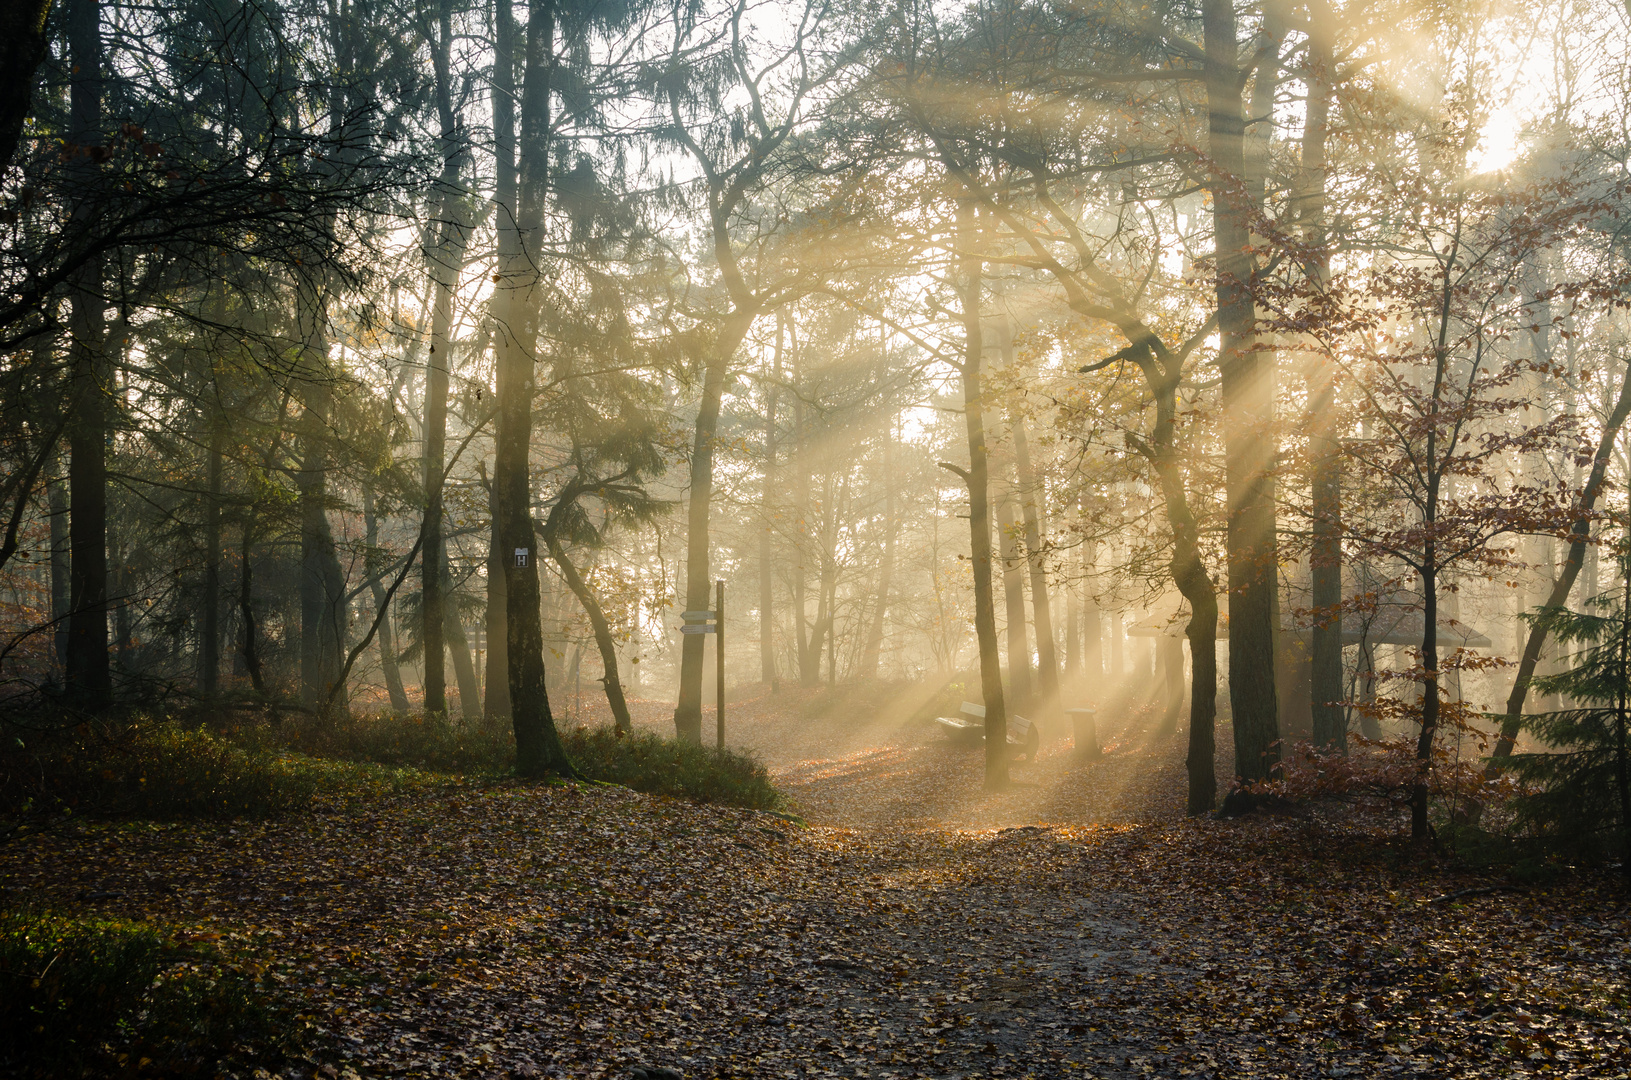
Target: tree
444, 261
1424, 324
735, 149
22, 48
87, 662
520, 197
1247, 389
1584, 778
976, 477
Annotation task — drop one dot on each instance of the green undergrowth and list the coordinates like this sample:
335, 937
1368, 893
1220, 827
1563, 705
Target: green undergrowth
1521, 858
642, 761
161, 769
89, 996
649, 763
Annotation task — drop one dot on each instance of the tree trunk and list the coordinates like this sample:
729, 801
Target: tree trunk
979, 510
88, 679
209, 630
1118, 645
1579, 538
1073, 633
873, 649
767, 576
61, 604
809, 674
603, 635
1030, 499
698, 579
388, 667
1169, 662
1163, 372
1092, 623
249, 647
445, 260
538, 749
321, 605
458, 647
1330, 724
1419, 829
496, 706
1013, 594
1248, 409
119, 590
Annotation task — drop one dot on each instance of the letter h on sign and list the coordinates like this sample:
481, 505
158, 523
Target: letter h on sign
520, 556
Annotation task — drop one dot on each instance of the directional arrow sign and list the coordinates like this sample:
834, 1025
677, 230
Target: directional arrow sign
698, 629
696, 616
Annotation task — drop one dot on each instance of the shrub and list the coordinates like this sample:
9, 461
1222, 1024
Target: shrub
82, 994
178, 772
149, 768
644, 762
435, 744
64, 983
650, 763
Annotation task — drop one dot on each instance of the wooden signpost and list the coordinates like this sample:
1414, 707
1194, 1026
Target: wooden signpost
720, 661
697, 622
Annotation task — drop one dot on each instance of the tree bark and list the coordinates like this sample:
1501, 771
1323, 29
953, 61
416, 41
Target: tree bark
1579, 539
1330, 725
209, 629
458, 647
603, 635
496, 705
698, 579
1013, 595
1248, 406
1030, 487
1092, 623
1163, 373
808, 653
322, 610
88, 678
873, 649
501, 101
538, 749
979, 510
444, 261
767, 502
388, 667
249, 647
1073, 633
61, 604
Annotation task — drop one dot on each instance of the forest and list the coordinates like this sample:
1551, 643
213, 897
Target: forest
1014, 538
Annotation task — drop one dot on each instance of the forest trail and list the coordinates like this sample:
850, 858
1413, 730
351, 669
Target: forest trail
916, 927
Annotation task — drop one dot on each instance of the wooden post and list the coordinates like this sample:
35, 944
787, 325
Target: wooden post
719, 660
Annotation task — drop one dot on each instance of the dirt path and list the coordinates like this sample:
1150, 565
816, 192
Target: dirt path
1072, 926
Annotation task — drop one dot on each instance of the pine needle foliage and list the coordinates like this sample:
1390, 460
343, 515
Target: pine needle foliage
1579, 797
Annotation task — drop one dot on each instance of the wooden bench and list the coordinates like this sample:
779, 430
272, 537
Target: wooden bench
969, 726
1025, 737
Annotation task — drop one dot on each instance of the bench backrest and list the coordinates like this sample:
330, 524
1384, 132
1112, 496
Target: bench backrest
971, 709
1020, 727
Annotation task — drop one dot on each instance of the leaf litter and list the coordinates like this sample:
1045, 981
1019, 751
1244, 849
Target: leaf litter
1074, 925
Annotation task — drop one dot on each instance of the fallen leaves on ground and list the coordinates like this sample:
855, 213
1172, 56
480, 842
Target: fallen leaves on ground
1074, 925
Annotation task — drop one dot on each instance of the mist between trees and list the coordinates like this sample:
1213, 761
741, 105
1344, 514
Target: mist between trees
1257, 369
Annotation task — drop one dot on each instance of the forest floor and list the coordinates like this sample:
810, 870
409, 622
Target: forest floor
1074, 925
